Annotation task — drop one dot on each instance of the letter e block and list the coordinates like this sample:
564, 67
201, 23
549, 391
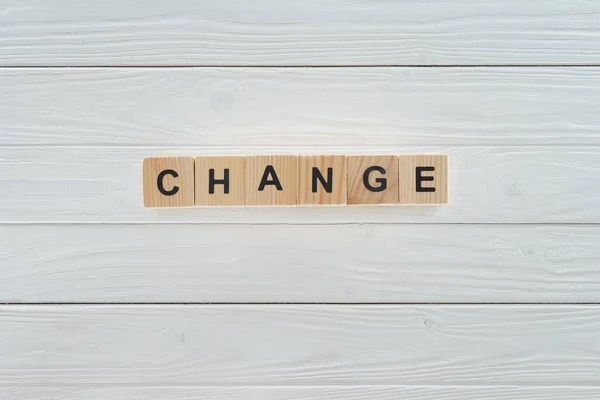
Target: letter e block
423, 179
220, 181
372, 179
271, 180
168, 182
322, 180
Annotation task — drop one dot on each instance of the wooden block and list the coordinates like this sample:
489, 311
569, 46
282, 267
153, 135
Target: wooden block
322, 180
423, 179
372, 179
220, 181
168, 182
271, 180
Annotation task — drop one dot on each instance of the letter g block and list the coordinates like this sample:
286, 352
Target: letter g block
372, 179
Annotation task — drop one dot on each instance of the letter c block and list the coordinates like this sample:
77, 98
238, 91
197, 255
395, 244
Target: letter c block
168, 182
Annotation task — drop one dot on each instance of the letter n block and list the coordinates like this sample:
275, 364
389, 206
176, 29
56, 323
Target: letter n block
372, 179
221, 181
271, 180
322, 180
423, 179
168, 182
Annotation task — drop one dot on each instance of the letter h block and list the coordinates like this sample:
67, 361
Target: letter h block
221, 181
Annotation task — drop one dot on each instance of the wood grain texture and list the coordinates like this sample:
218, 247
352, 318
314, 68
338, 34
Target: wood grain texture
300, 106
349, 392
425, 186
523, 146
372, 179
263, 345
272, 180
173, 189
332, 190
225, 192
300, 263
270, 32
541, 184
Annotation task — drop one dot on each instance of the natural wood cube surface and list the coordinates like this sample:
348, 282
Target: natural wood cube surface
271, 180
220, 181
423, 179
168, 181
322, 180
372, 179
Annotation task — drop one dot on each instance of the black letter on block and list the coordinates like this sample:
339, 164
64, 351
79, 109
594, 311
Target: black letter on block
159, 182
421, 178
212, 181
381, 181
327, 185
269, 170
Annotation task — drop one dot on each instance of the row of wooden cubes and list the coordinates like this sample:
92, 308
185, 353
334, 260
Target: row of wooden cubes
289, 180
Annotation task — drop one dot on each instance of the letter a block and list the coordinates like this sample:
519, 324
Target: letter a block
271, 180
322, 180
423, 179
221, 181
168, 182
372, 179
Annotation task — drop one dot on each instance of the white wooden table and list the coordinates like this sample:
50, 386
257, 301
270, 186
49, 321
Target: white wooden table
493, 296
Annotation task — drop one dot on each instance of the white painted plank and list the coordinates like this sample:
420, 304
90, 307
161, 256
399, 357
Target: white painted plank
541, 184
300, 106
299, 263
262, 345
315, 32
352, 392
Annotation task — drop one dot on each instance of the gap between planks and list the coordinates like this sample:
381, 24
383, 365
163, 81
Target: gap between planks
305, 66
133, 223
291, 146
335, 304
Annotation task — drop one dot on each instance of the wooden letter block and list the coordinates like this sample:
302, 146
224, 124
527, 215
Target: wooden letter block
423, 179
220, 181
168, 182
372, 179
271, 180
322, 180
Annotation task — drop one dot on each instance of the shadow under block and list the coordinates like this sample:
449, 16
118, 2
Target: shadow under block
322, 180
168, 182
220, 181
372, 179
271, 180
423, 179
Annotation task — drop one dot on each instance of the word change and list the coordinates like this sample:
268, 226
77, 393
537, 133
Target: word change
284, 180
